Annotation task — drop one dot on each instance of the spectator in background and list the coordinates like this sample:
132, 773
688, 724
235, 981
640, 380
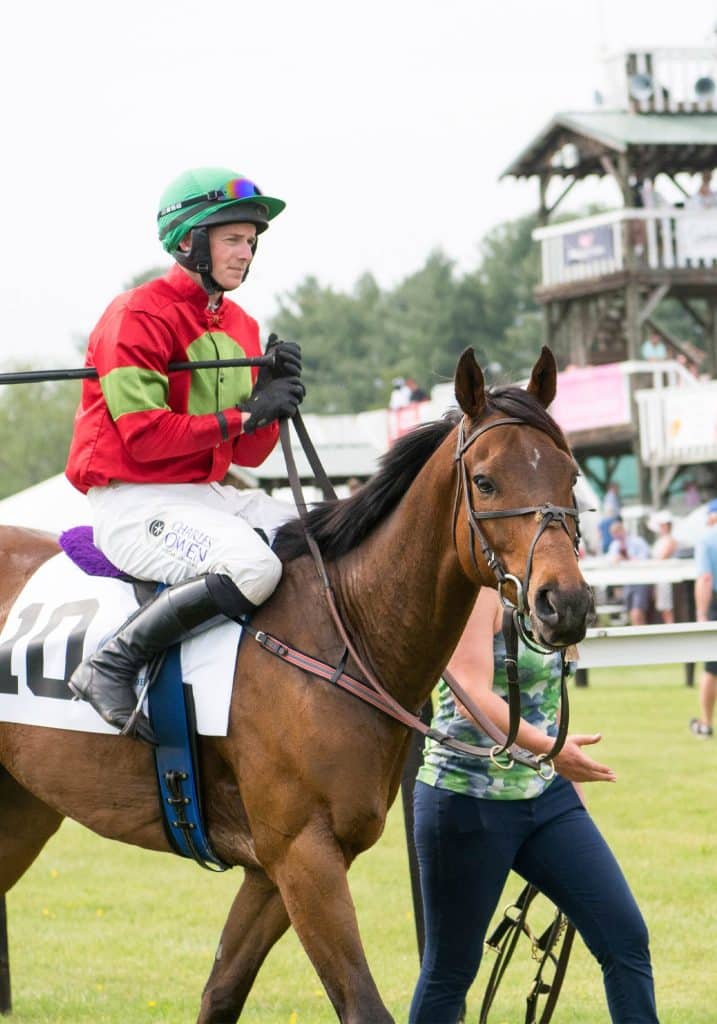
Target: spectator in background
644, 196
400, 393
653, 347
705, 198
612, 503
706, 611
650, 198
417, 393
665, 546
404, 390
693, 498
611, 506
692, 368
624, 547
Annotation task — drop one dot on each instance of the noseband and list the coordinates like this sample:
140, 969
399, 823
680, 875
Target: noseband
546, 515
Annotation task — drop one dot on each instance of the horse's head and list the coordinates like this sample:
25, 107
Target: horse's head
516, 517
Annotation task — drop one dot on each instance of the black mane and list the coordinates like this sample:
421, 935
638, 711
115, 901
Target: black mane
340, 525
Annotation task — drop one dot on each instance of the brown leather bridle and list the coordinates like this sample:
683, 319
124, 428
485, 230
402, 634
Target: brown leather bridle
516, 622
546, 515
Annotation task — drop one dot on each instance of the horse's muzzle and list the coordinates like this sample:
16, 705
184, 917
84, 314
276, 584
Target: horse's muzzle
560, 615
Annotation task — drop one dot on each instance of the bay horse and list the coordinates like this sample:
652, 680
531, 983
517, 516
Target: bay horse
303, 781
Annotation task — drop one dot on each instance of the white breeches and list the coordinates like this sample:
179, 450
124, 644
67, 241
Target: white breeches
171, 532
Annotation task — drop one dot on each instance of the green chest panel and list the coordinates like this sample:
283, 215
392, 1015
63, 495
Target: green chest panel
212, 390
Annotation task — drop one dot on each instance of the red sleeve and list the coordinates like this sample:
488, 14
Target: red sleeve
252, 449
132, 355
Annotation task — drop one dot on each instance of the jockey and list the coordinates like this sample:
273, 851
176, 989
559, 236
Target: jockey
150, 447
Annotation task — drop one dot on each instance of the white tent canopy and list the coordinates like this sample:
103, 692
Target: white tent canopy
53, 505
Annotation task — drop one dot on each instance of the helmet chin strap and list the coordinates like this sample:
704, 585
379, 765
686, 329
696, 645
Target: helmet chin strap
198, 259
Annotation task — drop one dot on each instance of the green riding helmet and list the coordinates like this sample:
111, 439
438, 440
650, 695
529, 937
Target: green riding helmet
202, 197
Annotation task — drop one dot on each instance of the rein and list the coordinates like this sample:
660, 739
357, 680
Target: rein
372, 691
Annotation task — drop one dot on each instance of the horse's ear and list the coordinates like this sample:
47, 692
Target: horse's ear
470, 385
544, 378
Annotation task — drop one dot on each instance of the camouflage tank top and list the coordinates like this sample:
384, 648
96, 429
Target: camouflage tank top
477, 776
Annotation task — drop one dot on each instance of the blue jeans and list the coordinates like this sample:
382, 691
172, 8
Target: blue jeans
466, 848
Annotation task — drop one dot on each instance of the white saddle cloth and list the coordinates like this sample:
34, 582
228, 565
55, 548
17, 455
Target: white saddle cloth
61, 603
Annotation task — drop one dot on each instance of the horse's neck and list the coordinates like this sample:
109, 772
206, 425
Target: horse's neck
403, 593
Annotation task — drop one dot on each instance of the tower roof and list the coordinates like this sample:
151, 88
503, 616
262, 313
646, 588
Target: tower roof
573, 144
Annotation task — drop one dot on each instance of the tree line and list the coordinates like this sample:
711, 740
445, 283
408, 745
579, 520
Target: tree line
354, 343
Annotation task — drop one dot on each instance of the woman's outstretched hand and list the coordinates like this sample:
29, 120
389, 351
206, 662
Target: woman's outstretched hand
575, 765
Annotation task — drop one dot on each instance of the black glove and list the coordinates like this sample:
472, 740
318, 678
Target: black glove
287, 356
276, 400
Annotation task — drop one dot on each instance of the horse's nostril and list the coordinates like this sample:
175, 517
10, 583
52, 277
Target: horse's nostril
545, 606
560, 614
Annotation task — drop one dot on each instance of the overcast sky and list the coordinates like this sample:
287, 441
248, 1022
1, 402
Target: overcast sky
384, 124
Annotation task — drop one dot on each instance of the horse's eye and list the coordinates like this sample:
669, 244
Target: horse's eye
483, 484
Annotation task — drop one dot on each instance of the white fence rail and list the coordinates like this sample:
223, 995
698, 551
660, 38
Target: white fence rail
678, 643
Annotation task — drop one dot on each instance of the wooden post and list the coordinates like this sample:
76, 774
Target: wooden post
581, 677
684, 609
5, 1000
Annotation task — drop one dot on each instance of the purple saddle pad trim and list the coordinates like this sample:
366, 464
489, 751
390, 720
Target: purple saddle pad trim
78, 544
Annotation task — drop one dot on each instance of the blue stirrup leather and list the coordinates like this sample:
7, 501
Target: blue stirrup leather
171, 714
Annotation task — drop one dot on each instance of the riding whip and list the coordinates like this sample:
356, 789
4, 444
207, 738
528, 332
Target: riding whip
82, 372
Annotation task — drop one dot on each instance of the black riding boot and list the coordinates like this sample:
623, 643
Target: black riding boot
106, 679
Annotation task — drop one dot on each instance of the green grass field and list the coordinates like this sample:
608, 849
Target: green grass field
106, 934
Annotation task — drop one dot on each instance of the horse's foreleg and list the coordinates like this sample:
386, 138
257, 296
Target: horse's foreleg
312, 878
256, 920
25, 826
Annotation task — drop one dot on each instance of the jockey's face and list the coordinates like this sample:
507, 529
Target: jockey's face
231, 248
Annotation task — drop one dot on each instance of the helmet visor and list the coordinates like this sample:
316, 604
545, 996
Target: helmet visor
237, 195
231, 191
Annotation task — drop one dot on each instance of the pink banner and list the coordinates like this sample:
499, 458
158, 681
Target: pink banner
591, 396
400, 421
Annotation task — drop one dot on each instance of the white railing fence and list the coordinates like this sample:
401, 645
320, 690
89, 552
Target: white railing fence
663, 238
